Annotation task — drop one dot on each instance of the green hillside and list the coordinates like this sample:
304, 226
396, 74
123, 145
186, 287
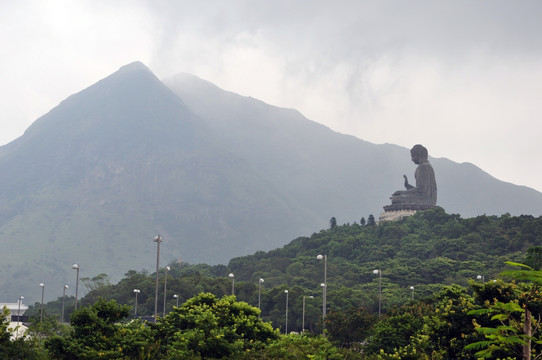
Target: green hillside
426, 251
439, 290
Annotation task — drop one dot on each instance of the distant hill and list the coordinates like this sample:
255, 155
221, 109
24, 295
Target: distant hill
216, 174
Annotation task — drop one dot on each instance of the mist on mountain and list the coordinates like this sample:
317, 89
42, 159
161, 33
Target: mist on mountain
216, 174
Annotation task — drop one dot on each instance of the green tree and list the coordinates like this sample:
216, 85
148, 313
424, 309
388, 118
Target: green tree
515, 329
49, 326
96, 282
396, 330
371, 220
349, 327
208, 327
295, 347
533, 258
96, 333
332, 223
446, 329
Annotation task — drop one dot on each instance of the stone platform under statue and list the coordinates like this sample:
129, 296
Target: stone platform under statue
421, 197
395, 215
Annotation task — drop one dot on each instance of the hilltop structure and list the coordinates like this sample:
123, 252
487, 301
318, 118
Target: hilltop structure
423, 196
17, 320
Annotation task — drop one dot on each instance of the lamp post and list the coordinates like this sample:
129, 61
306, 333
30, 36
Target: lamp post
324, 294
481, 277
379, 272
136, 292
42, 285
412, 291
19, 314
165, 290
176, 297
63, 300
286, 326
76, 267
260, 294
157, 240
323, 286
232, 283
303, 317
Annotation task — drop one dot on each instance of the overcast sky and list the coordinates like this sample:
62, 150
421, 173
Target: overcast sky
463, 78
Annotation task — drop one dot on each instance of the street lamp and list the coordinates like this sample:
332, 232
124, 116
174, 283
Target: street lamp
303, 318
286, 327
176, 297
323, 286
19, 314
412, 291
260, 294
165, 290
63, 300
136, 291
157, 240
481, 277
76, 267
379, 272
232, 283
42, 285
324, 294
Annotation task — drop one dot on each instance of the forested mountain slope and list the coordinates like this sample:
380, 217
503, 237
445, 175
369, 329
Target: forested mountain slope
426, 251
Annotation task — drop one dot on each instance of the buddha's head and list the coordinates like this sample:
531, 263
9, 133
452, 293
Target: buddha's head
419, 154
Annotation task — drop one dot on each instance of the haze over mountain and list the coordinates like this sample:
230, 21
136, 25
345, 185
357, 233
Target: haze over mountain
216, 174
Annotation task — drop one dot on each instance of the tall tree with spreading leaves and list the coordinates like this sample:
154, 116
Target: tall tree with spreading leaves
517, 321
208, 327
98, 333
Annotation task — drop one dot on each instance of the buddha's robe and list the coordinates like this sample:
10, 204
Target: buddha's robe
425, 191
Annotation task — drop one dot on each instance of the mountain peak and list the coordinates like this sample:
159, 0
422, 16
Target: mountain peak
136, 65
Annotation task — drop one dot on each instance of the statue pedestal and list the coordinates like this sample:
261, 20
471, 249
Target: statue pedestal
397, 211
393, 215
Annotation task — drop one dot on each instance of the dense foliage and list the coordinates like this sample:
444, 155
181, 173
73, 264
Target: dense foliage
456, 309
426, 251
203, 327
208, 327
